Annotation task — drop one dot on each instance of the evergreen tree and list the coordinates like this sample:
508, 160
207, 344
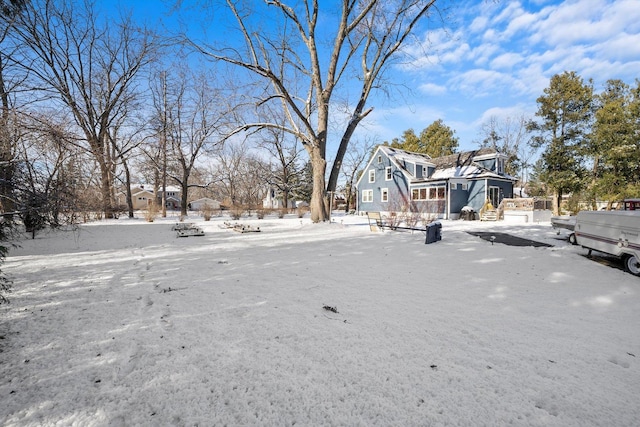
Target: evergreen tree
615, 143
409, 142
565, 111
438, 140
304, 190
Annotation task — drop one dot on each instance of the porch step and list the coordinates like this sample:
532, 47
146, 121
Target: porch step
489, 216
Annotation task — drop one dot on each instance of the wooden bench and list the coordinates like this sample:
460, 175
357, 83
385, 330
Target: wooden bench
186, 229
376, 222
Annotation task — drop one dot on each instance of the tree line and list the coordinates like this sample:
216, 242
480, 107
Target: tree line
92, 103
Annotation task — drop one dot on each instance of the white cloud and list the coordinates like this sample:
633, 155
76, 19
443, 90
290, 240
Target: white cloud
479, 24
480, 82
432, 89
624, 47
506, 61
482, 54
585, 21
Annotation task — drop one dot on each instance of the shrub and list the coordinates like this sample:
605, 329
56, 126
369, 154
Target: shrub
261, 213
151, 213
302, 210
236, 212
207, 212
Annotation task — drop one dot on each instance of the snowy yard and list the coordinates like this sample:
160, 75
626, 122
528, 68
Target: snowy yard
121, 323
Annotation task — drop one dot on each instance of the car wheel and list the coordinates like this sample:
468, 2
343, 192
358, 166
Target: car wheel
632, 264
572, 239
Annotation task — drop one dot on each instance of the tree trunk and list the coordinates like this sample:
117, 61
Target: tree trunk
6, 154
185, 194
318, 207
557, 198
127, 179
105, 189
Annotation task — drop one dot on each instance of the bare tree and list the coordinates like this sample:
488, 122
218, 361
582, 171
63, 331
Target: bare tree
238, 173
509, 136
304, 77
284, 173
9, 10
192, 115
86, 64
46, 175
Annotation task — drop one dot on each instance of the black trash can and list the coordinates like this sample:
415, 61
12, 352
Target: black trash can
433, 232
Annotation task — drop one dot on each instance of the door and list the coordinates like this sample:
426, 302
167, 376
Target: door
494, 196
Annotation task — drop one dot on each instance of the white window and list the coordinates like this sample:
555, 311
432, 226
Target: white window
431, 193
384, 195
454, 185
379, 159
372, 175
367, 196
419, 194
387, 173
436, 193
464, 186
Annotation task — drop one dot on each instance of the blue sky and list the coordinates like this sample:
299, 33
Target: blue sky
499, 56
494, 59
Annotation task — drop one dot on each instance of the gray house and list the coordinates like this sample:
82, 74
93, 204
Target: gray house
395, 180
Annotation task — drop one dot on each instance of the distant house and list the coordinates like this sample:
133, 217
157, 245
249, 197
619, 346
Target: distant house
274, 201
200, 204
173, 197
396, 180
141, 197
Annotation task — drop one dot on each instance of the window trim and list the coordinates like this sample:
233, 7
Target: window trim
372, 175
425, 193
388, 176
384, 195
367, 196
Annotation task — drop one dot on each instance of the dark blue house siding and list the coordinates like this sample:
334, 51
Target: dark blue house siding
478, 192
397, 187
458, 198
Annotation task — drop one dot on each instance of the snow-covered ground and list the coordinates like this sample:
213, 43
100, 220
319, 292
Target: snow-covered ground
121, 323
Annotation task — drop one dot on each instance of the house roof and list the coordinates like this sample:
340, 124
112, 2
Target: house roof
204, 200
463, 164
398, 156
465, 158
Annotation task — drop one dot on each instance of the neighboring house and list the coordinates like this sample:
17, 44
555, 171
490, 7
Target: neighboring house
199, 205
395, 180
140, 196
172, 199
274, 201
